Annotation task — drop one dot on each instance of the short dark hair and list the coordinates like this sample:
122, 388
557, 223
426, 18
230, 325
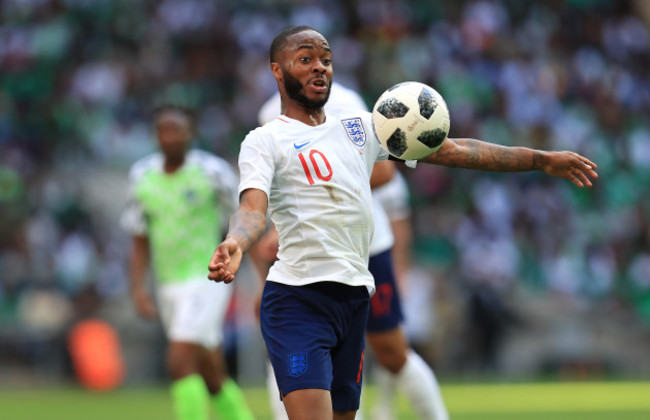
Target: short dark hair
280, 39
162, 109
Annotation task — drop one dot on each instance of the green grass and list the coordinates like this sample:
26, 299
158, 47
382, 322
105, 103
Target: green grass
547, 401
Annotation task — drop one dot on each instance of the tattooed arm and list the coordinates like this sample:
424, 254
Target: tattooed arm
247, 225
477, 154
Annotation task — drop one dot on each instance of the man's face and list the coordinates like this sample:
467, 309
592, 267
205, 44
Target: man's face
306, 69
174, 132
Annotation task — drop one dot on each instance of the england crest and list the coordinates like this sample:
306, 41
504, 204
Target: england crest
297, 364
354, 128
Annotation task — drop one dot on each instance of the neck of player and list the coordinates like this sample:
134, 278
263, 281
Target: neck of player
172, 163
309, 116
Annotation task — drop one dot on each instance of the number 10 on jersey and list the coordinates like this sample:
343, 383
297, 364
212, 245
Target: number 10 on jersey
315, 157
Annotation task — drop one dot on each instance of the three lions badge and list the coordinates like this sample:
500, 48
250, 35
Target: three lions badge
297, 364
354, 129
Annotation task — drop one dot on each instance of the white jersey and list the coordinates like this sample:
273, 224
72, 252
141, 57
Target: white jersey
394, 197
342, 98
182, 213
383, 238
317, 183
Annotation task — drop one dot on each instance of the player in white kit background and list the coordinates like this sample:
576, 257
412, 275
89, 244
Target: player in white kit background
311, 170
399, 367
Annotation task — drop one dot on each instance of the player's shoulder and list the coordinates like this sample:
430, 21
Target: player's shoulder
207, 160
261, 133
149, 163
269, 110
201, 156
344, 97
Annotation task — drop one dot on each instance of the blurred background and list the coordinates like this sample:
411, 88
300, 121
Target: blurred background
517, 276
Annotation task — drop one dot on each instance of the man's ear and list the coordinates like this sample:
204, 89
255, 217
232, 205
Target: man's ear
277, 71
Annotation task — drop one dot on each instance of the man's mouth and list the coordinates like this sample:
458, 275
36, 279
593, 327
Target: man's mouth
319, 84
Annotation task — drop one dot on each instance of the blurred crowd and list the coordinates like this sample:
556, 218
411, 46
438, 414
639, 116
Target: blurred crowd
79, 80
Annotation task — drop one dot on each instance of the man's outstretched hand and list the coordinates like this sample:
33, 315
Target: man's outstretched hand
569, 165
225, 261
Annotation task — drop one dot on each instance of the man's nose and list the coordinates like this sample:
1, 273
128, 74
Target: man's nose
319, 67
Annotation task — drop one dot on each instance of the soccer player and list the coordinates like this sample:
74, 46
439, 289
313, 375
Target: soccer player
311, 170
177, 201
399, 366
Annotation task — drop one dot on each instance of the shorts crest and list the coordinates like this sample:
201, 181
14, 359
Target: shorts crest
297, 364
355, 131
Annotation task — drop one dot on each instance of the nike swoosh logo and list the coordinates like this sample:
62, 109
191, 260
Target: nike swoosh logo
300, 146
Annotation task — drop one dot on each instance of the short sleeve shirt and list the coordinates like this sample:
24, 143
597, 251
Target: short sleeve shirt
317, 180
181, 213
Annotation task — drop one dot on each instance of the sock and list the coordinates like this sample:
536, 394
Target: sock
384, 400
418, 383
277, 406
190, 397
230, 402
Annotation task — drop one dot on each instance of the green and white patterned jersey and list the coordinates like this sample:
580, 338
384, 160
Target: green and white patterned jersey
181, 213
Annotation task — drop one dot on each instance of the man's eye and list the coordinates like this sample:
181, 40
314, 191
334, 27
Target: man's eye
304, 59
327, 61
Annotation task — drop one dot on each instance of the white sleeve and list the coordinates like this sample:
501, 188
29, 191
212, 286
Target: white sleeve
270, 110
132, 219
256, 163
224, 179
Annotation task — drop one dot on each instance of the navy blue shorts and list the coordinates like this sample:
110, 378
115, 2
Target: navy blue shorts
385, 307
314, 336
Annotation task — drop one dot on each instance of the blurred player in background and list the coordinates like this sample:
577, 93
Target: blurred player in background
311, 171
399, 367
394, 198
178, 201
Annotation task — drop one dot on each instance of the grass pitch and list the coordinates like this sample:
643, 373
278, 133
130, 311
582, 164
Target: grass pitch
547, 401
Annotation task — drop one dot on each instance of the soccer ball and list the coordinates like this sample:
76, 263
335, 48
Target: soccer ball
411, 120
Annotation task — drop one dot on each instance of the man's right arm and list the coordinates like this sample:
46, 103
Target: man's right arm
247, 226
139, 264
478, 154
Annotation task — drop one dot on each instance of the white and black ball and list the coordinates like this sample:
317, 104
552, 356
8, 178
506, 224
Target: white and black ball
411, 120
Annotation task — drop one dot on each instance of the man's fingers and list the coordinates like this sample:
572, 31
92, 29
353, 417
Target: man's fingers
584, 178
586, 161
216, 273
214, 266
219, 273
221, 259
576, 181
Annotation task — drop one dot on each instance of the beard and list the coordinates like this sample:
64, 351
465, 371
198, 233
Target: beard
294, 89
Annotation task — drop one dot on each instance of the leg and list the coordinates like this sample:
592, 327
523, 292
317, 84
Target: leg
410, 373
383, 407
407, 371
189, 392
389, 348
314, 338
308, 404
275, 402
227, 397
213, 369
278, 410
194, 325
183, 359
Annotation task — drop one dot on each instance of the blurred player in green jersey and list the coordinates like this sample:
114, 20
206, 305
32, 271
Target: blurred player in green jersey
178, 199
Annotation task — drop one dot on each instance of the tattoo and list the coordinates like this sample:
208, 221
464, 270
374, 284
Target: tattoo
476, 154
247, 228
538, 160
